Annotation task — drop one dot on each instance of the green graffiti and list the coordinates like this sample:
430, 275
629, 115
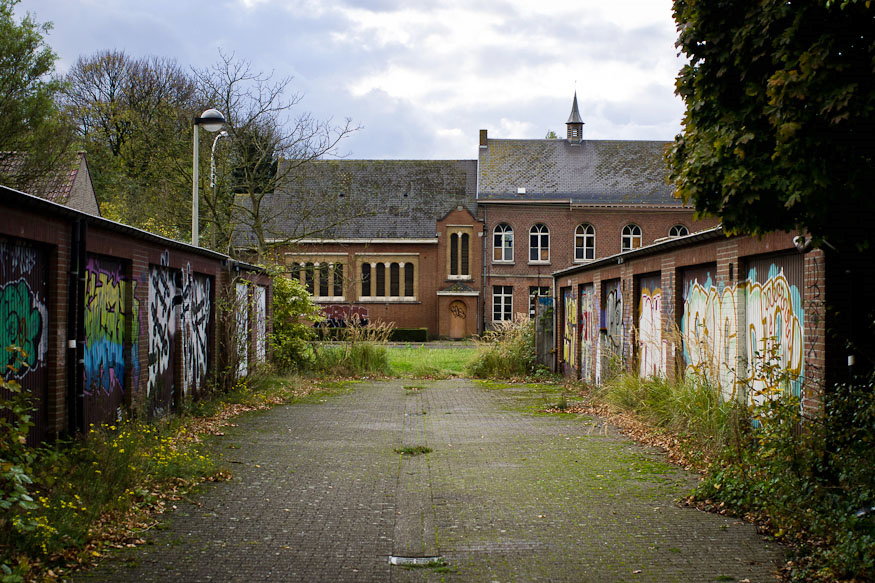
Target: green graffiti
22, 322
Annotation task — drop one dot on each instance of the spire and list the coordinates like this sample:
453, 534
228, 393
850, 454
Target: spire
574, 123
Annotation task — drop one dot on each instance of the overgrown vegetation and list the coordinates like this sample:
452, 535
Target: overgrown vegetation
810, 481
61, 503
292, 338
361, 352
507, 351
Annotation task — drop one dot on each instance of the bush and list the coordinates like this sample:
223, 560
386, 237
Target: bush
361, 353
508, 351
292, 337
409, 335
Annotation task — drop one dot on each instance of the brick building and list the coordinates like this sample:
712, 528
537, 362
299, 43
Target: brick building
454, 246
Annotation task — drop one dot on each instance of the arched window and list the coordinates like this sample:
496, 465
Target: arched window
539, 243
678, 231
631, 237
502, 243
460, 264
584, 242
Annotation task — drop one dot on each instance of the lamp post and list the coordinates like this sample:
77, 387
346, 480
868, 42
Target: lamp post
212, 120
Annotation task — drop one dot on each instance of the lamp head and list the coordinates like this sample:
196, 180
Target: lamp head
211, 120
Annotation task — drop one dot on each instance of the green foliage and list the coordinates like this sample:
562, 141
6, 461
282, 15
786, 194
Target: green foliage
16, 458
807, 478
293, 315
780, 116
508, 351
361, 353
29, 121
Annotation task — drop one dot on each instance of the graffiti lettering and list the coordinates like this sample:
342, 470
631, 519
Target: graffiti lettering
105, 322
259, 300
569, 335
587, 332
24, 324
650, 355
340, 316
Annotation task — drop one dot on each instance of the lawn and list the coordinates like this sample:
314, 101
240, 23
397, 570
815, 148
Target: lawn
420, 361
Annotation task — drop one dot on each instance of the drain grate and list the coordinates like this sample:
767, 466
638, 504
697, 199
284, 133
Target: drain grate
416, 561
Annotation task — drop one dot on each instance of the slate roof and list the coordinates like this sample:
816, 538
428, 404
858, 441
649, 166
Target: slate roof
340, 199
593, 172
56, 186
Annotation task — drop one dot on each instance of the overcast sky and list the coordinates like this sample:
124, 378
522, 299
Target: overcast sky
420, 76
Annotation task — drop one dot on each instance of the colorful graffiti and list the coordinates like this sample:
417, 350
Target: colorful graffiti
570, 349
610, 345
775, 321
709, 330
339, 315
162, 336
651, 358
729, 331
24, 319
106, 319
587, 332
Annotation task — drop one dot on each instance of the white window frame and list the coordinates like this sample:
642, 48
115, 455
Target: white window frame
502, 303
678, 231
631, 234
541, 234
505, 232
584, 240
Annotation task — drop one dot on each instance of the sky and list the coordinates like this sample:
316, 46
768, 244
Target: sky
420, 77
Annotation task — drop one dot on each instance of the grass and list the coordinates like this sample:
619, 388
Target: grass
413, 450
424, 362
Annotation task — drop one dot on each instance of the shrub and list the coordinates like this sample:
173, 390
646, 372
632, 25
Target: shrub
508, 351
293, 313
361, 353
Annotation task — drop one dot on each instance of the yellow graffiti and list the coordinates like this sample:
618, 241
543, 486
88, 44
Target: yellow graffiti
569, 346
105, 317
710, 334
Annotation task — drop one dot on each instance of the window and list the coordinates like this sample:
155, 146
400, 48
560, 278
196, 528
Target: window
502, 243
322, 279
539, 243
631, 237
460, 264
584, 242
387, 280
535, 292
502, 303
678, 231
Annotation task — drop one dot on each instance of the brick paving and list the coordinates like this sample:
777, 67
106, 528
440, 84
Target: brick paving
319, 494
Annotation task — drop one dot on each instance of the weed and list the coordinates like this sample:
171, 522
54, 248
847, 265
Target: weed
507, 351
413, 450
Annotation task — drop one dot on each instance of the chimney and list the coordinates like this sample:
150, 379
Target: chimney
483, 139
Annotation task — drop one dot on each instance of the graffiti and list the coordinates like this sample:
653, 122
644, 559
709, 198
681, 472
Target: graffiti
24, 324
614, 319
709, 331
242, 310
259, 301
340, 316
105, 322
569, 331
650, 353
774, 327
195, 320
162, 335
458, 310
587, 331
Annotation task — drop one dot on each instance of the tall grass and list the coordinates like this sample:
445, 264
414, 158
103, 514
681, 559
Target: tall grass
690, 408
361, 352
507, 351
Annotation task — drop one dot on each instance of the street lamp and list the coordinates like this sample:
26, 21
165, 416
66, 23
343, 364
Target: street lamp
212, 120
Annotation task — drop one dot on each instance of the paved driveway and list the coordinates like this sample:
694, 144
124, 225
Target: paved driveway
506, 494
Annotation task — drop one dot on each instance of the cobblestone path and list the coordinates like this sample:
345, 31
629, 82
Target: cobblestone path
320, 494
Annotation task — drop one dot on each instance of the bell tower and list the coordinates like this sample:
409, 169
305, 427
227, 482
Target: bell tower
574, 124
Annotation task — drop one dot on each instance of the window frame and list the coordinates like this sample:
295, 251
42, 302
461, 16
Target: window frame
629, 233
584, 240
502, 303
506, 243
539, 233
674, 231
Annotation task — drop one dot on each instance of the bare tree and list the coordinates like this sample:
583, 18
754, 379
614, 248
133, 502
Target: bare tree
271, 142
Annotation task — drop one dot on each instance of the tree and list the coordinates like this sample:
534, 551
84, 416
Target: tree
779, 129
269, 143
133, 116
29, 120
